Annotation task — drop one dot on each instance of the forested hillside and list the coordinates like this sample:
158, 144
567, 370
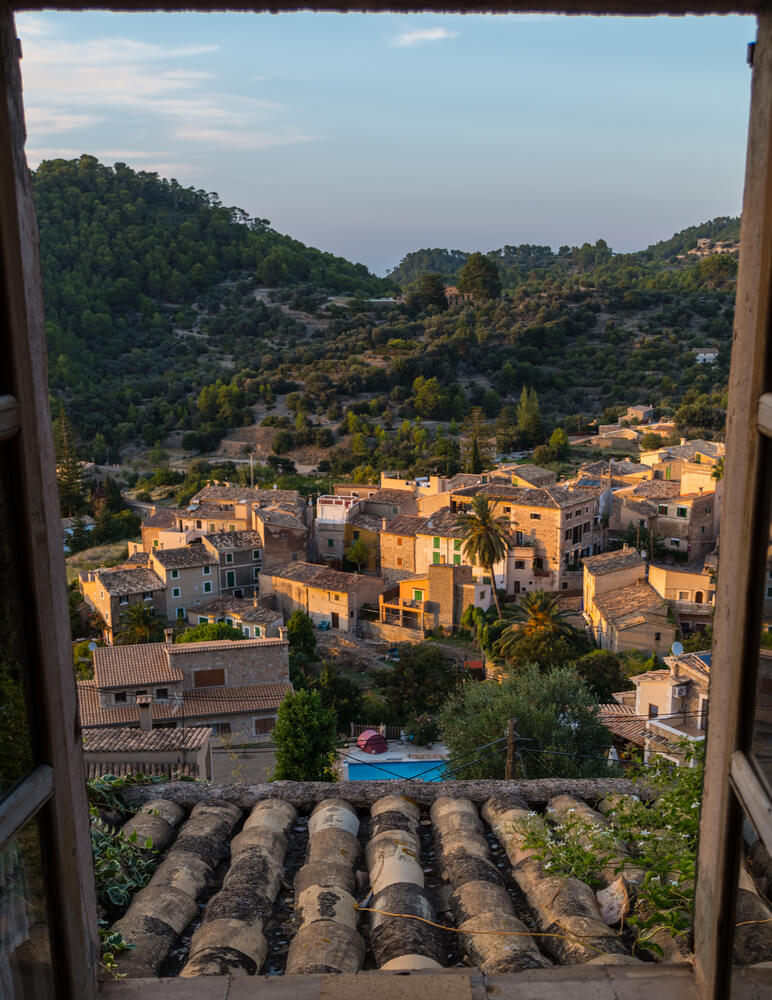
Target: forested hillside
125, 254
161, 327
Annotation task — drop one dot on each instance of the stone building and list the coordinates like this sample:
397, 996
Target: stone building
327, 596
110, 592
189, 575
255, 617
239, 555
232, 687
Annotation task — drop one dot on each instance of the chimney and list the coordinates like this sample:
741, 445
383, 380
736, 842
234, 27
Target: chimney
283, 633
144, 701
168, 634
254, 601
384, 522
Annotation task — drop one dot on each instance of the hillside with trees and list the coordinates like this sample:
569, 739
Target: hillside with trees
172, 318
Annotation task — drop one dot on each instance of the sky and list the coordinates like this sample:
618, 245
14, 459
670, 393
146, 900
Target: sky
371, 135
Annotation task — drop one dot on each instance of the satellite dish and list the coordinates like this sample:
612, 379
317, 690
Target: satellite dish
643, 553
92, 646
676, 649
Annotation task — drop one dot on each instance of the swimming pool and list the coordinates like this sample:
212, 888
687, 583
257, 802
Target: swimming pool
392, 770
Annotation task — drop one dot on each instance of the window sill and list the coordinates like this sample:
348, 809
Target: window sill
580, 982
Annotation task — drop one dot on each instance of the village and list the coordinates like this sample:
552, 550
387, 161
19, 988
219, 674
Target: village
251, 557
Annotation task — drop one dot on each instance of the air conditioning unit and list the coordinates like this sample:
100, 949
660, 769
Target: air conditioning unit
680, 690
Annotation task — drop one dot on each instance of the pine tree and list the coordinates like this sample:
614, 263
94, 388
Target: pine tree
529, 415
69, 477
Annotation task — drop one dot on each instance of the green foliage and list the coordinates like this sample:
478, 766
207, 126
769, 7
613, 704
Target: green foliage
556, 720
602, 673
480, 277
302, 642
69, 477
358, 553
419, 681
529, 415
543, 648
338, 693
138, 624
305, 738
425, 728
210, 632
660, 836
485, 537
702, 639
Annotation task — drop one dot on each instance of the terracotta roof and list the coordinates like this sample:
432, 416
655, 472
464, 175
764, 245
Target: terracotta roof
657, 489
243, 609
281, 518
247, 494
185, 557
320, 577
134, 740
138, 559
622, 721
553, 496
531, 469
121, 769
712, 449
622, 468
442, 523
296, 857
610, 562
181, 648
122, 582
405, 524
162, 517
127, 666
368, 522
462, 479
392, 496
210, 511
645, 507
629, 605
696, 496
201, 704
226, 540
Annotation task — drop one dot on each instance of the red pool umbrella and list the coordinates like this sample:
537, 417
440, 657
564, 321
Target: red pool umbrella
371, 741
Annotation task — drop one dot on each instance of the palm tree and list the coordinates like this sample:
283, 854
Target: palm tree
538, 612
485, 537
138, 624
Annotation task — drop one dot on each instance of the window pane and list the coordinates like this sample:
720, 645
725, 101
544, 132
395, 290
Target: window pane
753, 914
25, 952
17, 757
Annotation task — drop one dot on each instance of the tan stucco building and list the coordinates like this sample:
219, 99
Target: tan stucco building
326, 595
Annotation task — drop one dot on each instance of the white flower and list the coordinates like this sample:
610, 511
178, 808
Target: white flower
695, 805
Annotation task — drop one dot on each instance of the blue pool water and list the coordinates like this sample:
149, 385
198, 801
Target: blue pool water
422, 770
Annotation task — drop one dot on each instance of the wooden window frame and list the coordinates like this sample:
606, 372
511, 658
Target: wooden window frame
55, 791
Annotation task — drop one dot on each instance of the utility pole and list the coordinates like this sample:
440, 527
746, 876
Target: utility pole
511, 738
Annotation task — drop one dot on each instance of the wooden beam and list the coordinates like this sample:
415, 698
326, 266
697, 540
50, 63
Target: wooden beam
64, 821
24, 801
631, 8
744, 527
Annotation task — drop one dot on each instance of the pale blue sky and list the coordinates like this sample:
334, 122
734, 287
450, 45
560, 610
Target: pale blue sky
374, 135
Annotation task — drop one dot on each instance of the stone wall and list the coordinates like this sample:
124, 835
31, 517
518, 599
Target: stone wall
246, 662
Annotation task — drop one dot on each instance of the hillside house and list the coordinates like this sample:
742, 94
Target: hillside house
641, 413
332, 513
397, 542
327, 596
110, 592
670, 706
705, 355
189, 575
159, 752
551, 529
531, 476
232, 687
239, 558
256, 618
422, 604
284, 535
689, 590
697, 451
622, 610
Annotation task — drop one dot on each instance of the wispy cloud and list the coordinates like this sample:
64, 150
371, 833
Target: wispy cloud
237, 139
71, 85
421, 36
42, 120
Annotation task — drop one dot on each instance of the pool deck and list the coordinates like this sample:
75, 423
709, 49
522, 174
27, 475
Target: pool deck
396, 752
